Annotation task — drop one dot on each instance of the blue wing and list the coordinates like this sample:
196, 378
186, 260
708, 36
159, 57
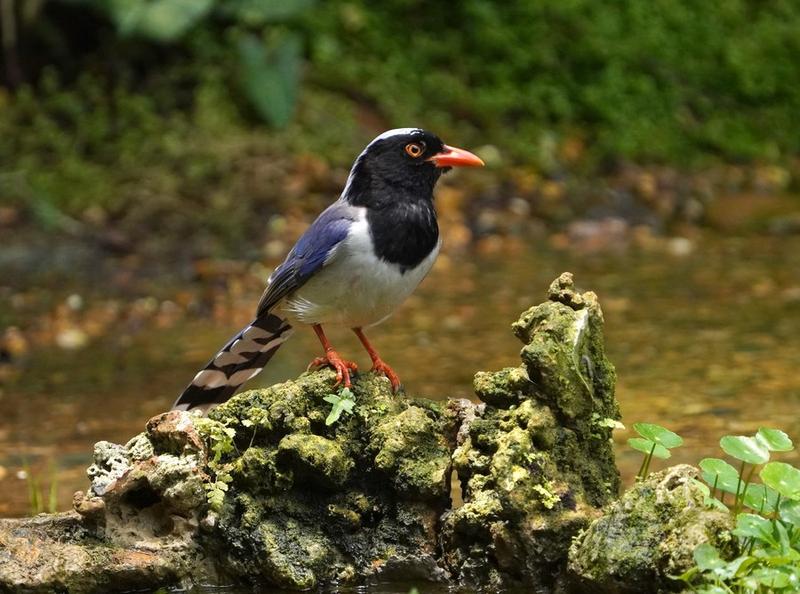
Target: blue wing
309, 254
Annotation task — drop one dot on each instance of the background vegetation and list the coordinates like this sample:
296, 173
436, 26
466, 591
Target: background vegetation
182, 112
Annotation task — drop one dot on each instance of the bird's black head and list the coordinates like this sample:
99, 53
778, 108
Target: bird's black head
402, 164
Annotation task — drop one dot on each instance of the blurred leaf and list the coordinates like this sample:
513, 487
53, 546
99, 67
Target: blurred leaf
774, 440
760, 498
707, 557
270, 78
259, 12
708, 500
790, 512
744, 448
771, 577
782, 477
658, 434
646, 446
720, 473
159, 20
753, 526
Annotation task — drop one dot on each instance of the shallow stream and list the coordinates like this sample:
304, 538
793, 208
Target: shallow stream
705, 336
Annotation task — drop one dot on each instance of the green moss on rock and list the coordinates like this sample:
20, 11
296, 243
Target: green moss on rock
314, 459
411, 448
648, 536
533, 467
276, 497
335, 502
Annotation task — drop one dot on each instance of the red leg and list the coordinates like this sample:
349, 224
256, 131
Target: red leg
378, 363
332, 358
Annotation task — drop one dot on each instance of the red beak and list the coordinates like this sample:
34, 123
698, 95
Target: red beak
456, 157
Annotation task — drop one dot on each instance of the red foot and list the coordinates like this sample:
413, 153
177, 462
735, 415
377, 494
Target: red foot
379, 366
342, 367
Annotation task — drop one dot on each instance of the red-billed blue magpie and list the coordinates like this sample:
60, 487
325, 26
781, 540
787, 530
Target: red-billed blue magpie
354, 265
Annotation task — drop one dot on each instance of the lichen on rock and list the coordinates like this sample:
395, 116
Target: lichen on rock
648, 536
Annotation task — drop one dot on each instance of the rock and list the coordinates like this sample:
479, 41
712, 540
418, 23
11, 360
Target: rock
276, 497
533, 463
309, 503
315, 460
647, 536
56, 553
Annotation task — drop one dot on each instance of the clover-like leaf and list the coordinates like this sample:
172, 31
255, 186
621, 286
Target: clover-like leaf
753, 526
658, 434
790, 512
774, 440
760, 498
708, 500
646, 446
718, 472
771, 577
744, 448
782, 477
707, 558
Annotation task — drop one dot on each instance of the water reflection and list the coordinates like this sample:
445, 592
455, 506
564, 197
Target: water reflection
707, 343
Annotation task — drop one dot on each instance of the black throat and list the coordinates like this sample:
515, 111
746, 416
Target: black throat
400, 215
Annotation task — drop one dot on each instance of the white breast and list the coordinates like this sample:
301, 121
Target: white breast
355, 288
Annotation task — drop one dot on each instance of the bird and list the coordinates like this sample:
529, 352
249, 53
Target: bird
353, 266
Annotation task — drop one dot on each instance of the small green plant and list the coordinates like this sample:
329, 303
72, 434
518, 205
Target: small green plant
655, 441
221, 442
38, 501
342, 402
769, 539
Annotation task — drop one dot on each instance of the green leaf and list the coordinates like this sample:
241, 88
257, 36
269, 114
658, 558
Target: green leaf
259, 12
342, 402
753, 526
782, 477
658, 434
270, 78
770, 577
760, 498
744, 448
159, 20
715, 470
646, 446
790, 512
774, 440
712, 590
707, 558
709, 501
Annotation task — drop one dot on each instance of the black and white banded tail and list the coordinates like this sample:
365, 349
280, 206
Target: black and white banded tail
241, 359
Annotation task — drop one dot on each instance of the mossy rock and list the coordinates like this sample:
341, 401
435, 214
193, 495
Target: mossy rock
534, 463
648, 536
321, 503
275, 496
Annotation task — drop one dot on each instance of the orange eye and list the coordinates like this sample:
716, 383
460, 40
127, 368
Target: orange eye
415, 149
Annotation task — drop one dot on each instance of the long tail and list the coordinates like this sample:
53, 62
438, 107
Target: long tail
241, 359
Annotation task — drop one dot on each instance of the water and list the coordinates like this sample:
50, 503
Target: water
707, 343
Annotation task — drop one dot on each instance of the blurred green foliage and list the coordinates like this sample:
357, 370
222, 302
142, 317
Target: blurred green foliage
146, 106
665, 80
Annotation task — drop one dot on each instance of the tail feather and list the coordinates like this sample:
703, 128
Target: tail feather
241, 359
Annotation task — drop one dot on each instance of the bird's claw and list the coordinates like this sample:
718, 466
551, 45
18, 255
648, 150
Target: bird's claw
341, 366
379, 366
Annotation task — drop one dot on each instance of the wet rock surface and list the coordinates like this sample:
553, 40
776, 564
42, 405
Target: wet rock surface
648, 535
275, 496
